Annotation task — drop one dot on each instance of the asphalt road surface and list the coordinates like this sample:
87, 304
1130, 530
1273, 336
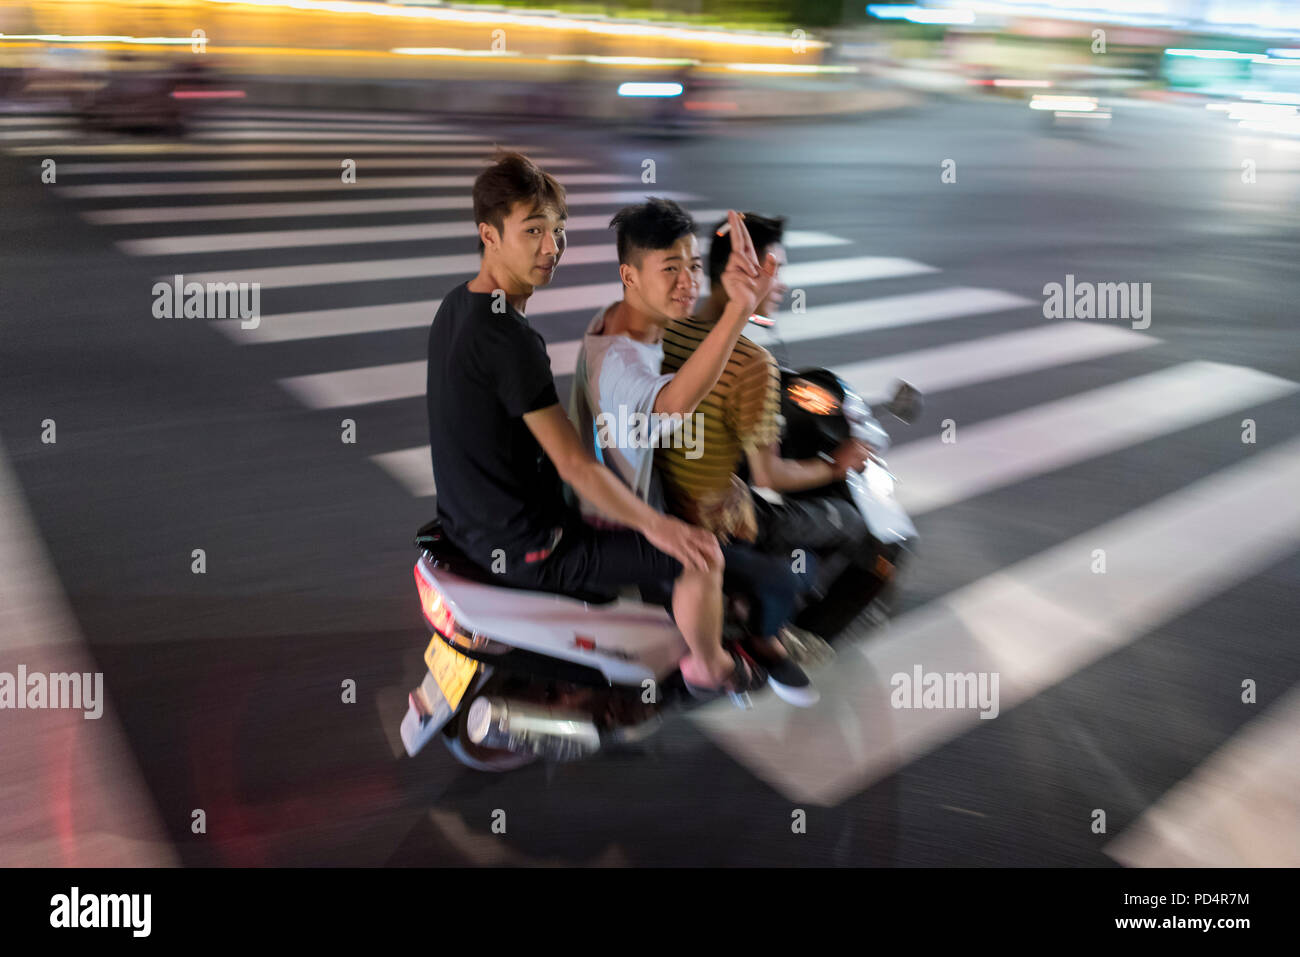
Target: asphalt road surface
1115, 530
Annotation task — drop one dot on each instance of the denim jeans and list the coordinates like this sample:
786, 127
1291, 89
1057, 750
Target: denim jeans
770, 582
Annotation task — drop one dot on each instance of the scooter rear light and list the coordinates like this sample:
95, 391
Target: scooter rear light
436, 611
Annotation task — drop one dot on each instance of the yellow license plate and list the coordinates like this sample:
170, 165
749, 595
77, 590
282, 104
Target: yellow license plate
450, 669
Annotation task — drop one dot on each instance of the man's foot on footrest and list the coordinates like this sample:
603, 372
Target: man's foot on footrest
804, 647
790, 682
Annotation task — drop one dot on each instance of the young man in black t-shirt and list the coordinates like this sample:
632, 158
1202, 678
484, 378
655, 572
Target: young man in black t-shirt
502, 444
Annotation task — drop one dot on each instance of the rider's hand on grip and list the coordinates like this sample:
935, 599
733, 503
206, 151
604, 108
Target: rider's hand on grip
850, 456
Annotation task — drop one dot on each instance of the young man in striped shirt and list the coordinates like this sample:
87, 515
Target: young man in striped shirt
741, 419
625, 408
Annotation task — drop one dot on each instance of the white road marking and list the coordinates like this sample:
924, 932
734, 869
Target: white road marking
297, 238
324, 183
339, 137
336, 207
412, 468
270, 146
1239, 808
888, 311
306, 164
321, 323
853, 269
1002, 451
374, 270
70, 795
1034, 624
990, 357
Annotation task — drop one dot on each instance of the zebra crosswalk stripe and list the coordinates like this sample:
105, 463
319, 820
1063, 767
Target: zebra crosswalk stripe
996, 453
320, 184
993, 454
990, 357
884, 312
337, 207
1239, 808
346, 235
304, 163
1033, 624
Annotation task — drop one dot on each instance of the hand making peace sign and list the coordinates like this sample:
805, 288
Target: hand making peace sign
746, 282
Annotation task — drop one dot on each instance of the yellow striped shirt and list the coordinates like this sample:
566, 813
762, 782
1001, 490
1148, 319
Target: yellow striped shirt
741, 412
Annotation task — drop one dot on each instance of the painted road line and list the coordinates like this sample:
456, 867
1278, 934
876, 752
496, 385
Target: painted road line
70, 791
322, 126
306, 164
886, 312
1000, 452
275, 147
856, 269
1239, 808
397, 380
311, 115
336, 207
1033, 624
343, 236
341, 138
323, 323
374, 270
216, 187
990, 357
411, 468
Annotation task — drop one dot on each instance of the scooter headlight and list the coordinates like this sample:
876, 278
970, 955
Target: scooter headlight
879, 481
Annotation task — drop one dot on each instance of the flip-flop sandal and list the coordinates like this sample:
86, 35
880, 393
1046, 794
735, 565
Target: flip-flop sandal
747, 676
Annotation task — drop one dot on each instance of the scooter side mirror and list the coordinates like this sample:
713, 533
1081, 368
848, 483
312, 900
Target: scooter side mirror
906, 404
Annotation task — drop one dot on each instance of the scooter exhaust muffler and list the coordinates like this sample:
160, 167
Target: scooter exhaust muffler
524, 726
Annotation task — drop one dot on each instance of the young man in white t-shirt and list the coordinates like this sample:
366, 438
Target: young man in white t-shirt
624, 407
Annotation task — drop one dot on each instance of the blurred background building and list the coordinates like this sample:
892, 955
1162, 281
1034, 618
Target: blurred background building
716, 58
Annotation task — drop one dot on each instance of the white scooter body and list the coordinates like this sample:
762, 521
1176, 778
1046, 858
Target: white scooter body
633, 641
628, 641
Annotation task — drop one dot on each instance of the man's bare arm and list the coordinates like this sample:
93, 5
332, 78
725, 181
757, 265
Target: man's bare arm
699, 374
768, 470
746, 283
594, 483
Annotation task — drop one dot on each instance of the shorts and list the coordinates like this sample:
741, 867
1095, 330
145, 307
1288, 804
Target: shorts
590, 558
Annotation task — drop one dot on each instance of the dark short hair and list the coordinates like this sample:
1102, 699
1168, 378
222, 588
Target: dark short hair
763, 230
655, 224
514, 178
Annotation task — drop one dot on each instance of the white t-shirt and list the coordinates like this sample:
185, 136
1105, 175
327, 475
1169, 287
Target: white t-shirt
615, 382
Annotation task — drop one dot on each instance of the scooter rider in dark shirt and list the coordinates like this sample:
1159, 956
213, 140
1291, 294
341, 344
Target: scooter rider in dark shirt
502, 444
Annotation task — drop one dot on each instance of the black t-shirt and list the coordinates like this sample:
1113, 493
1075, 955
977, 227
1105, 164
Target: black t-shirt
496, 488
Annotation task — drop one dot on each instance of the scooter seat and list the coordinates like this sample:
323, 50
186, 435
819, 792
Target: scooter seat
444, 553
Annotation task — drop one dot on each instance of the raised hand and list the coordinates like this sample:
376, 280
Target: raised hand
747, 283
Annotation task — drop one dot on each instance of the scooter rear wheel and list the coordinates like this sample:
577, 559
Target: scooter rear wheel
492, 760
